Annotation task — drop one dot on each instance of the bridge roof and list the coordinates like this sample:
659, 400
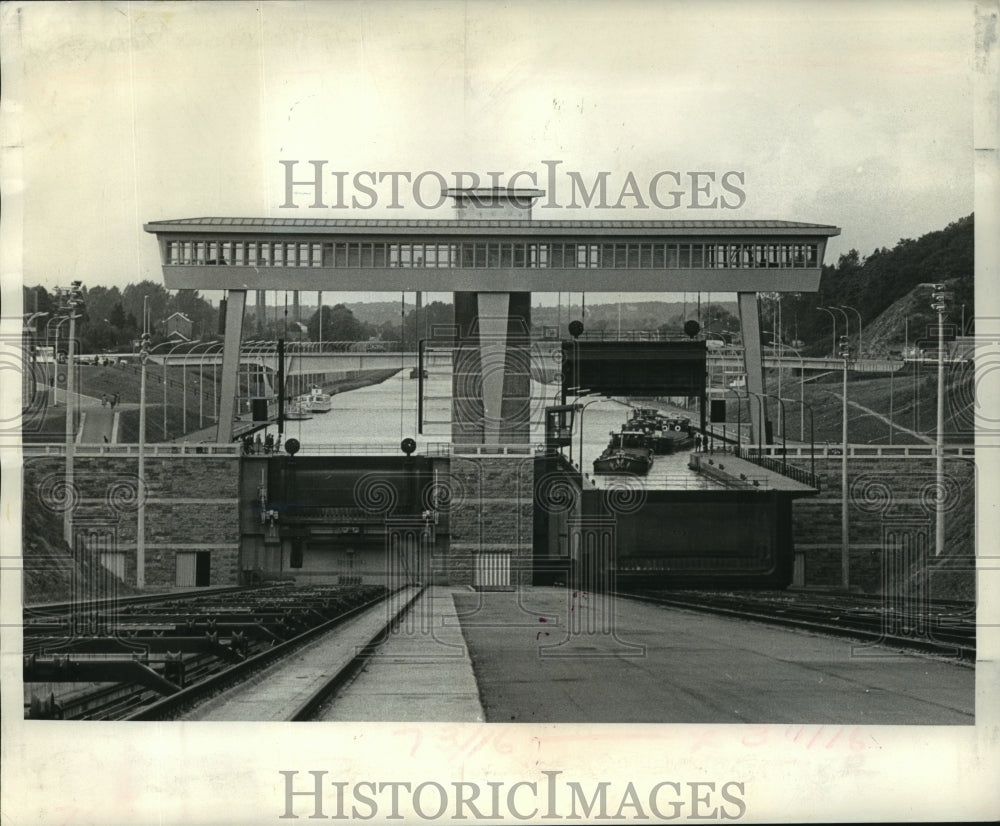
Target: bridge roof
494, 226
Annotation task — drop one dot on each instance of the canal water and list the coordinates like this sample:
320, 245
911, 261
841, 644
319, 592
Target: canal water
377, 418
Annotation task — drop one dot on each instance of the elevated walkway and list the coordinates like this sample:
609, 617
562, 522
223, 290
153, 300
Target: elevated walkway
737, 473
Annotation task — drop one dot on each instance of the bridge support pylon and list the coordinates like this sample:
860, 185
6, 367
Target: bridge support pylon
753, 364
235, 306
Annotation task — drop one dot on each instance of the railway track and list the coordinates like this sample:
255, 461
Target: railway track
942, 628
118, 658
285, 685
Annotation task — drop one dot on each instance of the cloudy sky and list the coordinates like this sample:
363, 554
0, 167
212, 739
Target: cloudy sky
857, 114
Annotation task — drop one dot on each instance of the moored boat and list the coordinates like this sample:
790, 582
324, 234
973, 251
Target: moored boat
627, 452
297, 411
317, 401
666, 434
670, 438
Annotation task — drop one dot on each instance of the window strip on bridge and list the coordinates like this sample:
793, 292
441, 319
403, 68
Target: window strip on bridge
492, 254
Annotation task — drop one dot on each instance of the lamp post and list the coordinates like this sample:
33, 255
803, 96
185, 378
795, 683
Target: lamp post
861, 349
184, 389
847, 324
32, 343
739, 419
777, 342
55, 358
320, 311
581, 408
892, 425
163, 370
845, 556
940, 306
833, 333
168, 354
812, 437
211, 346
781, 407
73, 301
140, 536
802, 389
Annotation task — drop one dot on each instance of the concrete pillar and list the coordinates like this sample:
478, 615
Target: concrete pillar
235, 305
491, 381
753, 364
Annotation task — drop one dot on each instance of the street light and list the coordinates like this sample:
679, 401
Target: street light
59, 320
163, 377
581, 408
140, 542
781, 407
32, 343
847, 324
212, 346
833, 318
845, 557
861, 349
168, 354
739, 420
73, 300
940, 305
802, 389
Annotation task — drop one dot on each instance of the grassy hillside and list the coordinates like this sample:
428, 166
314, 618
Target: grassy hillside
51, 570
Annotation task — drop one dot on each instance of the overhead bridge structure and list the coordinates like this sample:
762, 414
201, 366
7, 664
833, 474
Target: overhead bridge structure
492, 262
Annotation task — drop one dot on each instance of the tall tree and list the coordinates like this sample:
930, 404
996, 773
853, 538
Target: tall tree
339, 324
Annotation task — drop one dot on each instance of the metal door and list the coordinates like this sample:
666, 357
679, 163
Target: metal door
187, 566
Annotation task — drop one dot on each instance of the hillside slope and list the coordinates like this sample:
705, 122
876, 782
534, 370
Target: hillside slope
52, 572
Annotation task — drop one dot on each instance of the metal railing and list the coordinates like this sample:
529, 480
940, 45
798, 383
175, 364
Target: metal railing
714, 467
204, 449
776, 465
306, 449
862, 451
427, 449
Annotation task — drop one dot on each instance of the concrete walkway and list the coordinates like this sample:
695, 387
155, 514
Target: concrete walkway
421, 673
97, 425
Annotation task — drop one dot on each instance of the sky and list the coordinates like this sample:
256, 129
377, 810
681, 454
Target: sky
857, 114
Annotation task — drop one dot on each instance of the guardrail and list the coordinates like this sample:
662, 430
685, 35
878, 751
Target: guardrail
864, 451
133, 450
306, 449
778, 465
427, 449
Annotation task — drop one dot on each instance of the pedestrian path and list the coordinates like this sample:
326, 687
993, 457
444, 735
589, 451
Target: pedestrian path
422, 672
97, 425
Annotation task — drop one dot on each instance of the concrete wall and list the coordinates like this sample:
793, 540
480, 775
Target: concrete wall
885, 495
192, 504
492, 510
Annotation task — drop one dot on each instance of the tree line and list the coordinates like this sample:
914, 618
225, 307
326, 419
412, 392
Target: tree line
111, 318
